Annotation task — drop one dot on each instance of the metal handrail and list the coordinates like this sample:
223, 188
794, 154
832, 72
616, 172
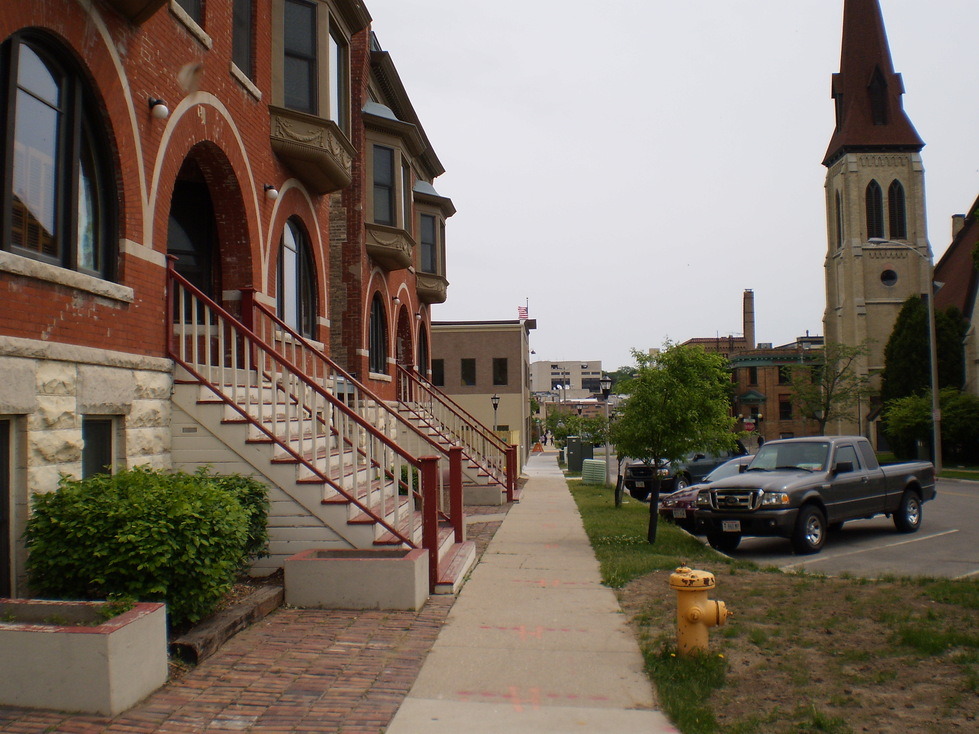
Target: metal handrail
482, 446
267, 325
283, 404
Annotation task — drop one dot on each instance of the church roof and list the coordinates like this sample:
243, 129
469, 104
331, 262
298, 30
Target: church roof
869, 110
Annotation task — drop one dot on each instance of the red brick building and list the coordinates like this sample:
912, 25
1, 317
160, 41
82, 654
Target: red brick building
268, 149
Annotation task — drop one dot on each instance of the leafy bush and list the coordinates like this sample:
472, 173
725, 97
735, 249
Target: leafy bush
151, 535
253, 497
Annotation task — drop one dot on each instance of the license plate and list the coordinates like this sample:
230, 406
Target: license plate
731, 526
679, 513
641, 485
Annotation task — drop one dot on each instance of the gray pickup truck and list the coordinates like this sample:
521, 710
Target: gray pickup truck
799, 488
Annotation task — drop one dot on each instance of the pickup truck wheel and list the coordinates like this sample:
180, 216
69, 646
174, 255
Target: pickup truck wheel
810, 531
907, 519
680, 483
724, 542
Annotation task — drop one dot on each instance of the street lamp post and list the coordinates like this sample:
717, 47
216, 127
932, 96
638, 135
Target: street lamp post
496, 404
606, 384
936, 413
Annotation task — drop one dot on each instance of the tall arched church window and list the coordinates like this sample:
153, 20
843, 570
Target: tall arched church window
875, 210
58, 194
897, 211
378, 337
839, 220
296, 282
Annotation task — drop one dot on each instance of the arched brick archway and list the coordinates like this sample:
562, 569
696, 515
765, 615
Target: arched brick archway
404, 348
207, 228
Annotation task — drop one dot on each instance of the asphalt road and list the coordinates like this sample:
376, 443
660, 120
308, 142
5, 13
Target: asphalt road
946, 545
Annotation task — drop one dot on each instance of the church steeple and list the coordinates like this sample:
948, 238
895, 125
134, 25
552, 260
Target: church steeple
869, 111
878, 253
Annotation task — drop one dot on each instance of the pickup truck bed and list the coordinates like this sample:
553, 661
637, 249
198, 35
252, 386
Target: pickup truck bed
799, 488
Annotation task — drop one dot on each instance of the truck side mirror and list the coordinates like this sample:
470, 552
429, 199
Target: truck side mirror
843, 467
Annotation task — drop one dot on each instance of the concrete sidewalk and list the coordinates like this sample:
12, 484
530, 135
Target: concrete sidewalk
534, 642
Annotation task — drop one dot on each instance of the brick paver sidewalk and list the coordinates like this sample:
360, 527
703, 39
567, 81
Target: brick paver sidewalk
295, 671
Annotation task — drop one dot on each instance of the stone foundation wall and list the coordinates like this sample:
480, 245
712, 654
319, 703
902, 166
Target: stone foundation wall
46, 391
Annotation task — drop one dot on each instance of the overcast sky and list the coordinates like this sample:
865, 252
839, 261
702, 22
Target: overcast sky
632, 166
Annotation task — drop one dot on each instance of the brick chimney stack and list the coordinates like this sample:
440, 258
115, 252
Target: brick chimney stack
749, 318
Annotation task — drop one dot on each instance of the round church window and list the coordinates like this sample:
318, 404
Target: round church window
888, 277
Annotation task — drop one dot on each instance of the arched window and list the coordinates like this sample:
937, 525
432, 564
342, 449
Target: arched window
875, 210
57, 190
897, 211
378, 337
296, 283
839, 221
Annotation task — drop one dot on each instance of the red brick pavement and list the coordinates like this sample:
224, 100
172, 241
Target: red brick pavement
297, 671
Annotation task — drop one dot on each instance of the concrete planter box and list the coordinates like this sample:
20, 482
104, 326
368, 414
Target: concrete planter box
56, 655
357, 579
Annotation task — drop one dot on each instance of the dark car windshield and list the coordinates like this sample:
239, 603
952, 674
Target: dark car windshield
808, 456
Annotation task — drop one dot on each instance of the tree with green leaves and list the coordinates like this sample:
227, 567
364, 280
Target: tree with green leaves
828, 386
677, 403
621, 376
908, 421
907, 356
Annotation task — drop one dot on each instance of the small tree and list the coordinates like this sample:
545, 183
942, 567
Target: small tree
828, 387
677, 403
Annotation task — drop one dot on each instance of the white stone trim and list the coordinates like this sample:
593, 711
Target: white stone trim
11, 346
242, 78
30, 268
195, 30
137, 250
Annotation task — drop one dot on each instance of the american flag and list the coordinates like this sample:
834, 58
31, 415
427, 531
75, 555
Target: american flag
521, 312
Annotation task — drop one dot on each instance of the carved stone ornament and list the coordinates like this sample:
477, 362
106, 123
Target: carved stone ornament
314, 148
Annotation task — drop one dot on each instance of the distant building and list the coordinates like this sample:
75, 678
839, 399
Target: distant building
568, 380
474, 360
763, 400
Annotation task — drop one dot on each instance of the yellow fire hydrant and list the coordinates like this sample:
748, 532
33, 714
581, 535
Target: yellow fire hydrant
694, 611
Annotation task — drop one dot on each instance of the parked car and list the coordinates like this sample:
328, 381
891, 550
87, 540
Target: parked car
799, 488
680, 506
639, 477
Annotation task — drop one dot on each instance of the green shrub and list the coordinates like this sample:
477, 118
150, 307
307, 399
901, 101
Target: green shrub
147, 534
253, 496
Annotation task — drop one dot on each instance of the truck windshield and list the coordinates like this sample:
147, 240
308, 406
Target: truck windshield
808, 456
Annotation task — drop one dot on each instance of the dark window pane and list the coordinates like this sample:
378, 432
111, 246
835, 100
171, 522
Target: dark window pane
378, 359
299, 63
96, 446
500, 371
468, 371
193, 8
875, 210
438, 372
383, 185
241, 35
427, 241
897, 212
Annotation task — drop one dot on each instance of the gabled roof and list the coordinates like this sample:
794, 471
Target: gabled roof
869, 110
956, 271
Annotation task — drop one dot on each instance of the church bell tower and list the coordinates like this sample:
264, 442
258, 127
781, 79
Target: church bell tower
878, 252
